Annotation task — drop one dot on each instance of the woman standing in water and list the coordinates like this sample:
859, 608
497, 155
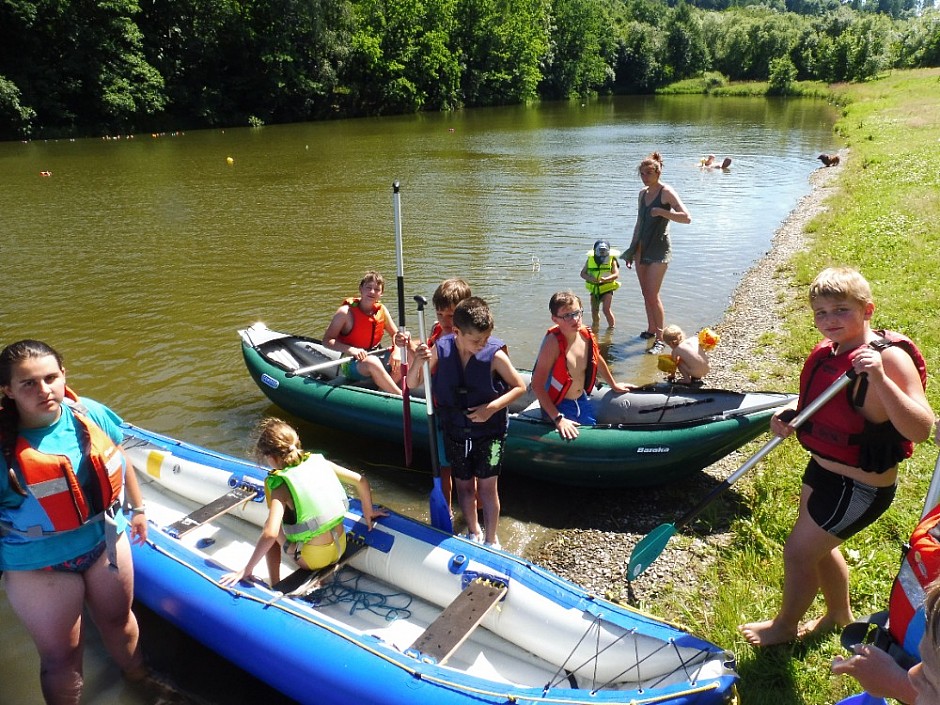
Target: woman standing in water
650, 249
62, 543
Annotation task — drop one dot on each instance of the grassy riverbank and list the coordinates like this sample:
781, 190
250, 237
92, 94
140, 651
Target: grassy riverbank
882, 219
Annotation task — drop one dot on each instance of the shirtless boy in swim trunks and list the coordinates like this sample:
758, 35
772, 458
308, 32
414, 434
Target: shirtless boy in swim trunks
856, 441
567, 366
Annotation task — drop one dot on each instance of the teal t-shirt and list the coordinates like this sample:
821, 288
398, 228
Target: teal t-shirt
60, 438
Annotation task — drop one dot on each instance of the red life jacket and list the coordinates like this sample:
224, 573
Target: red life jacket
367, 329
52, 479
920, 567
838, 431
437, 330
560, 381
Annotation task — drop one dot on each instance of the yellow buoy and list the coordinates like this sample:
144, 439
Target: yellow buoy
229, 161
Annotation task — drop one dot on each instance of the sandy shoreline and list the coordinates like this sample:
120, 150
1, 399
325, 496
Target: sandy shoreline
594, 546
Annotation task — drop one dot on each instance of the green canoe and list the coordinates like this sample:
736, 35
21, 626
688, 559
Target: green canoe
654, 435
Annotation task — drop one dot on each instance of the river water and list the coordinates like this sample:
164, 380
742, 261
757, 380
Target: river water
139, 258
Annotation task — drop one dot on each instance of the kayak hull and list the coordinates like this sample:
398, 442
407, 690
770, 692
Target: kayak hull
547, 640
670, 431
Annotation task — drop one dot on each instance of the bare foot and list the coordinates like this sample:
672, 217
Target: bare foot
767, 633
820, 626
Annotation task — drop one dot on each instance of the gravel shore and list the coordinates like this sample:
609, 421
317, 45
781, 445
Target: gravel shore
592, 545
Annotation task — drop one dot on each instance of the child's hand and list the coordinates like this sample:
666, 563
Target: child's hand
402, 338
138, 529
232, 578
422, 352
622, 387
479, 414
568, 429
868, 361
780, 422
370, 515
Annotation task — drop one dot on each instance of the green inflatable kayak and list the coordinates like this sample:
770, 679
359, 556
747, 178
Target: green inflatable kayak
653, 435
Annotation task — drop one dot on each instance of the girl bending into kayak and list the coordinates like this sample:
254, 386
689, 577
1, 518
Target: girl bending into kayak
306, 505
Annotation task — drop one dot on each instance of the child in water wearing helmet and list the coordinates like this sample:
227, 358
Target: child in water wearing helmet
301, 489
600, 274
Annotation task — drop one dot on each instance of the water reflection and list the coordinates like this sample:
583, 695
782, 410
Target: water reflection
140, 258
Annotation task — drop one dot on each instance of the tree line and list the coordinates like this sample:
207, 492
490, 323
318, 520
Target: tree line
84, 67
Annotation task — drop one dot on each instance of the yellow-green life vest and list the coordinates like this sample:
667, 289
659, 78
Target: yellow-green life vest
320, 502
598, 270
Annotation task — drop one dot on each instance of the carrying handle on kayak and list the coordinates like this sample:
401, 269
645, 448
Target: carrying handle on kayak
652, 545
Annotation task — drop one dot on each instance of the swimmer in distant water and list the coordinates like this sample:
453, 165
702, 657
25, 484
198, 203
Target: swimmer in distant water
710, 163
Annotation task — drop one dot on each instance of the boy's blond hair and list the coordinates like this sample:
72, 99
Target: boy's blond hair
560, 299
673, 334
449, 293
841, 283
373, 276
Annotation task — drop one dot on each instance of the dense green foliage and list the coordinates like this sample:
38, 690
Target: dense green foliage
92, 66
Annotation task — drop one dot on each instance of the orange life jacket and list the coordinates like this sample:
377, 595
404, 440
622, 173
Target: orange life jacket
52, 479
560, 381
920, 567
367, 329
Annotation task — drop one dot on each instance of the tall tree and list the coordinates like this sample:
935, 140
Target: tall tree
503, 44
79, 64
687, 53
575, 64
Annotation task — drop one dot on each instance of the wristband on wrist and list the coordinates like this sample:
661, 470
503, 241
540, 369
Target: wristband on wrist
138, 510
559, 418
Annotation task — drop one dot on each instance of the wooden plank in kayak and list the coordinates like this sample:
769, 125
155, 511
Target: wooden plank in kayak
446, 633
231, 499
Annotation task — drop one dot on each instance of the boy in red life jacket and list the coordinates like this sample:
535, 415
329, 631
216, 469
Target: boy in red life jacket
473, 382
357, 327
856, 440
567, 367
